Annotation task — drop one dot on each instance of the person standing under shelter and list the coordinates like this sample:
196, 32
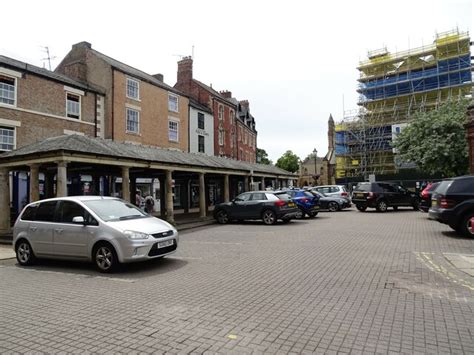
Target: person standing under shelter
149, 204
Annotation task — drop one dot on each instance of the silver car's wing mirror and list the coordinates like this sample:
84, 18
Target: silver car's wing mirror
78, 220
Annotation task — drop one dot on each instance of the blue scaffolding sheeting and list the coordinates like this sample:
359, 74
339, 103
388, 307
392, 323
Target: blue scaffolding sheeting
446, 73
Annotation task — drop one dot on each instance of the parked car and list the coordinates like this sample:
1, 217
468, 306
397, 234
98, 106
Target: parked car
382, 195
104, 230
426, 194
306, 202
268, 206
330, 203
452, 203
333, 191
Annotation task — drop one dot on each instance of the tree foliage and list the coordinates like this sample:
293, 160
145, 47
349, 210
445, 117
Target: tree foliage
436, 140
262, 157
288, 161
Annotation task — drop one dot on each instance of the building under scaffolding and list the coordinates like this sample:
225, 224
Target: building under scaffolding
392, 87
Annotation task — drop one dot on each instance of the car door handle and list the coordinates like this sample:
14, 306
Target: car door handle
33, 229
58, 230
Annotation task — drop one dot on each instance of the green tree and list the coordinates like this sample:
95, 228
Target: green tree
288, 161
262, 157
436, 140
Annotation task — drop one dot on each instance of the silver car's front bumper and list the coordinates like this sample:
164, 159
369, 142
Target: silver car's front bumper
145, 249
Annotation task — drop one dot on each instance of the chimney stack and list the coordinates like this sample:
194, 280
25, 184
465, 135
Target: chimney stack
159, 77
226, 93
245, 103
185, 70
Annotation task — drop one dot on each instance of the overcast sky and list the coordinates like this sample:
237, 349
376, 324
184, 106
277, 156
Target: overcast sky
293, 60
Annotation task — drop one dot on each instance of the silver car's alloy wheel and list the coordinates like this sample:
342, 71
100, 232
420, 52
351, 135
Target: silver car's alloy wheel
333, 207
24, 253
269, 217
104, 258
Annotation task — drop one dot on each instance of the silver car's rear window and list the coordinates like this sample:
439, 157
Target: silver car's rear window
114, 210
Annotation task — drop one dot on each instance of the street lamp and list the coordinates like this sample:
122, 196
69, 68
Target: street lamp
315, 166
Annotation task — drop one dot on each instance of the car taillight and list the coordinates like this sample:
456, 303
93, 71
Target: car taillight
424, 194
280, 203
344, 194
305, 200
370, 195
445, 203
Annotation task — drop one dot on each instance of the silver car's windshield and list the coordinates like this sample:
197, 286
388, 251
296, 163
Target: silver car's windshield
114, 210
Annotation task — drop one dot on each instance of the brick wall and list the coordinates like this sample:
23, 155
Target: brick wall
154, 115
40, 111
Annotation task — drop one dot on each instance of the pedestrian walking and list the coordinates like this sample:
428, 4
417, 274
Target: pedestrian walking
149, 204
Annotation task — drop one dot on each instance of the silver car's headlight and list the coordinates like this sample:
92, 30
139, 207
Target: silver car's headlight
136, 235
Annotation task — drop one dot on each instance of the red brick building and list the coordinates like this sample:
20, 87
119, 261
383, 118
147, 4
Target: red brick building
234, 127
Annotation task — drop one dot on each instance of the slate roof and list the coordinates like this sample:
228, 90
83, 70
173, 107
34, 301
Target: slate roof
25, 67
199, 106
127, 69
214, 92
113, 149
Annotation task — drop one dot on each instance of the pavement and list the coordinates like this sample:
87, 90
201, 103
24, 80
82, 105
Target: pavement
344, 282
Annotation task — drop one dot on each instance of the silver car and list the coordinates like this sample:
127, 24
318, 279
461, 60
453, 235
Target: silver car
334, 191
105, 230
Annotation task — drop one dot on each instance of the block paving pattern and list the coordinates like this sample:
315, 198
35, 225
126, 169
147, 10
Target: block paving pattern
345, 282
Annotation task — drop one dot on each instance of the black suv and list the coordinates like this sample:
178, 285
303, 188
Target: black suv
381, 195
452, 203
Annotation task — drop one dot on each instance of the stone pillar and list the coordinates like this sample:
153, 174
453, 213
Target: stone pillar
96, 184
169, 196
61, 179
202, 196
187, 194
162, 198
4, 201
263, 184
34, 182
246, 183
126, 183
226, 188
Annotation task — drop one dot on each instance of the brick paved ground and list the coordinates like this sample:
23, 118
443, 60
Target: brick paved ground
343, 282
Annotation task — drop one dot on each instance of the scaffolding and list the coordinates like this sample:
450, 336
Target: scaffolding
392, 87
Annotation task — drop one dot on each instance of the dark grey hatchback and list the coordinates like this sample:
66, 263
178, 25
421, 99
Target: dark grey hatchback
268, 206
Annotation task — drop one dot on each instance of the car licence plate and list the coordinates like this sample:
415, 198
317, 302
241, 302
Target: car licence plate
165, 244
434, 203
359, 195
291, 204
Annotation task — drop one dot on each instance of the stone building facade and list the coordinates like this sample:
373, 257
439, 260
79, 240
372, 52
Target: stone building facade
140, 108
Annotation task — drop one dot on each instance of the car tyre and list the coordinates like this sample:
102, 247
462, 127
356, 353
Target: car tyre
313, 214
269, 217
300, 214
222, 217
286, 220
466, 228
382, 206
361, 208
395, 208
24, 253
105, 258
333, 206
